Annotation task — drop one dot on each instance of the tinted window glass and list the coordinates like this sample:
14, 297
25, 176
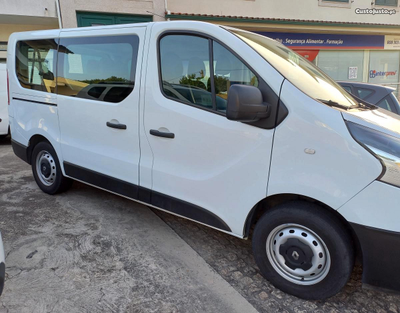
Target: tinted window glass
300, 72
384, 104
35, 64
228, 71
363, 93
347, 88
185, 69
97, 68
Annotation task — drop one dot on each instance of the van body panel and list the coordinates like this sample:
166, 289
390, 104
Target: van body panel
374, 216
33, 112
3, 101
146, 153
86, 140
333, 168
376, 206
212, 162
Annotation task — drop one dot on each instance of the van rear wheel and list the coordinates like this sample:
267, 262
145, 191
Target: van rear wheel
303, 250
47, 171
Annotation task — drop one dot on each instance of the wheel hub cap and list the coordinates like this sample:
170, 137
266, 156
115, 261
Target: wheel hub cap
46, 168
298, 254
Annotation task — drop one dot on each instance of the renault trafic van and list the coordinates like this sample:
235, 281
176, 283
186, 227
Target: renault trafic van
223, 127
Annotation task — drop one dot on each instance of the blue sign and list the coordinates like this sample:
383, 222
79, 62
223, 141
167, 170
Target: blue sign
328, 41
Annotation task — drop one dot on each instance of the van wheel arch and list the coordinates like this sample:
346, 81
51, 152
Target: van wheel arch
33, 141
268, 203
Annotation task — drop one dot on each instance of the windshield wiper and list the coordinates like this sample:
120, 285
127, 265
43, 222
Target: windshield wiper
363, 104
334, 104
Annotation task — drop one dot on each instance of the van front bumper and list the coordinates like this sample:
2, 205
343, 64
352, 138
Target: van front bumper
374, 215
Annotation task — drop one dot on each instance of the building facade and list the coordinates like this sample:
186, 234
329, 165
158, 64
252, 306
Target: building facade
25, 15
22, 15
81, 13
351, 40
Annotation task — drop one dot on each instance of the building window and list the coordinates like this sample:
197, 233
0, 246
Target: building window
335, 3
97, 68
390, 3
85, 19
342, 65
384, 67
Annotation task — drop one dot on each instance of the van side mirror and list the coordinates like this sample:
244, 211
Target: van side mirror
245, 104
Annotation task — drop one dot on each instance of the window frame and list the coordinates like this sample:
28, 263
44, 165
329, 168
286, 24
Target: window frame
335, 4
386, 5
210, 40
62, 63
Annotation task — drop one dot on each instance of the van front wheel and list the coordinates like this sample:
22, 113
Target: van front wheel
303, 250
47, 171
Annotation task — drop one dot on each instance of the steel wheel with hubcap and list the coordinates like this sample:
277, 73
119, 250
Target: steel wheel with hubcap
303, 249
298, 254
46, 169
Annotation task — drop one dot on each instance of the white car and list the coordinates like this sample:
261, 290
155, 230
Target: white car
223, 127
4, 128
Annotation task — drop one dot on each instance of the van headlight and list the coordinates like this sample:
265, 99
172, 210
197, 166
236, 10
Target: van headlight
383, 146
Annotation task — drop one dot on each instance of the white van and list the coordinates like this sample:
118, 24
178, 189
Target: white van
223, 127
4, 128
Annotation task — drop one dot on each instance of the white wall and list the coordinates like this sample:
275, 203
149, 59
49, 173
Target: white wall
285, 9
35, 8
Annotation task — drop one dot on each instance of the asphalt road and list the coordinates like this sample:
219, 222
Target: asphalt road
87, 250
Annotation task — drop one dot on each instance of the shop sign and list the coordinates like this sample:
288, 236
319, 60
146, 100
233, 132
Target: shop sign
375, 73
392, 42
327, 41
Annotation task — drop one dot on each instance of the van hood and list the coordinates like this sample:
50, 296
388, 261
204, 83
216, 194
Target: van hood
378, 119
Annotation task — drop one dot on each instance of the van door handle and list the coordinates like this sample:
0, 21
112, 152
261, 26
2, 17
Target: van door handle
116, 125
158, 133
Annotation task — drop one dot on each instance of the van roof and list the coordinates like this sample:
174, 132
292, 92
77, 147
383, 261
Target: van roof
116, 26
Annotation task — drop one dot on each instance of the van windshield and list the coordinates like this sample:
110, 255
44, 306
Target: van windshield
300, 72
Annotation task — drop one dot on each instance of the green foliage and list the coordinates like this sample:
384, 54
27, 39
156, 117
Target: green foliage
112, 79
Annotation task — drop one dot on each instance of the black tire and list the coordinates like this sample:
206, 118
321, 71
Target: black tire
57, 182
322, 223
8, 135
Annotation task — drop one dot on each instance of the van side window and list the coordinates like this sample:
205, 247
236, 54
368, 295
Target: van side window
97, 68
185, 69
228, 71
35, 64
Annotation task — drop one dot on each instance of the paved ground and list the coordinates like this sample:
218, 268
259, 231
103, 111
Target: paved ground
88, 250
